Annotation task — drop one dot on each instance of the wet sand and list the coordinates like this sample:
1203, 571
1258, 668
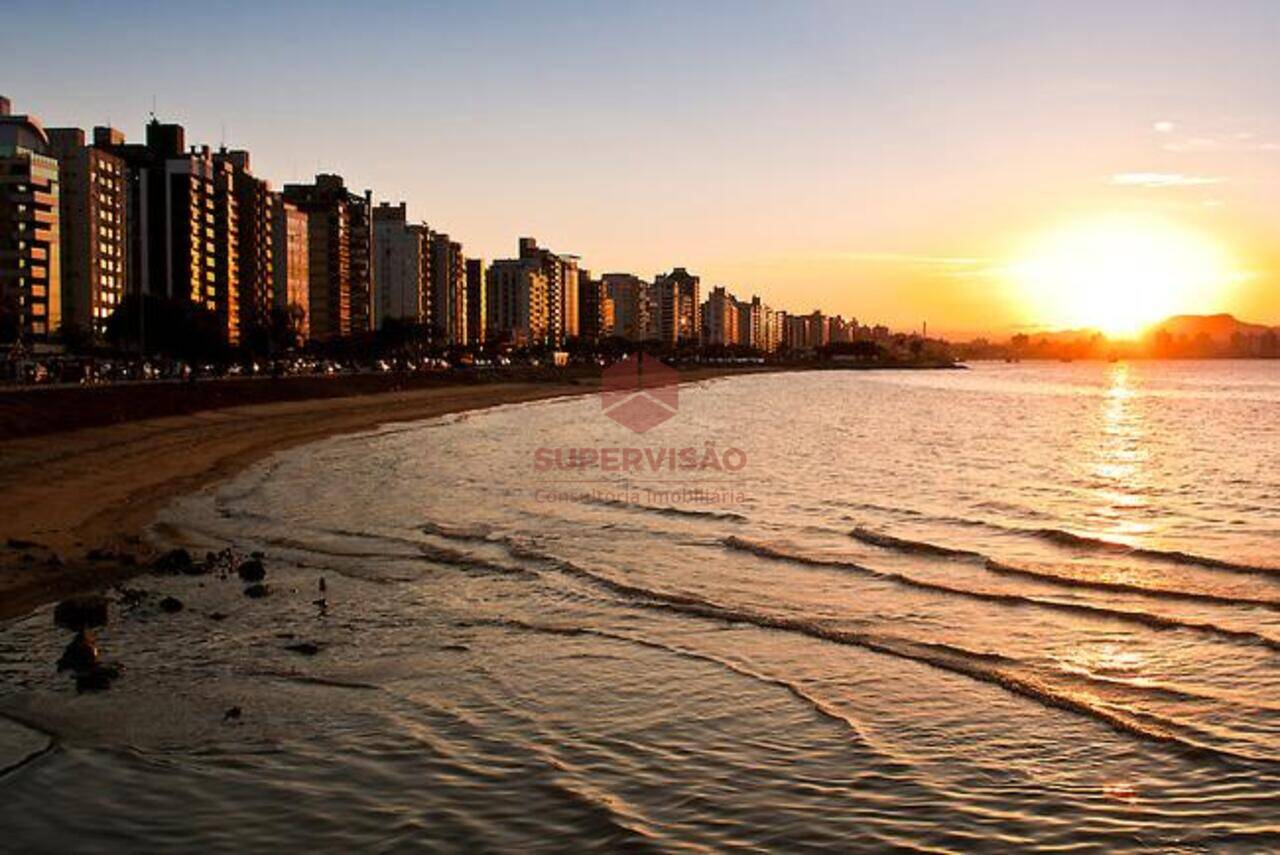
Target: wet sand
83, 472
74, 505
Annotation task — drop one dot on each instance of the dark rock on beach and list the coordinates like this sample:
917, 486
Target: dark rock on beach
171, 605
131, 598
97, 679
80, 655
257, 591
305, 648
78, 613
172, 562
252, 571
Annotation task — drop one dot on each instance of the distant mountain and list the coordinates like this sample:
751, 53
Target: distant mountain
1219, 328
1178, 337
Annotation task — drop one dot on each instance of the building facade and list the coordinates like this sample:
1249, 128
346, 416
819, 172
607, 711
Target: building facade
254, 247
720, 318
561, 272
448, 290
477, 301
93, 200
362, 282
290, 280
805, 332
595, 308
30, 239
677, 308
183, 221
339, 233
401, 269
516, 305
632, 313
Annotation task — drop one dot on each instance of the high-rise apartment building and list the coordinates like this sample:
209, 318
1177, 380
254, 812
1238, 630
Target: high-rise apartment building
677, 308
182, 219
93, 200
448, 290
226, 248
290, 280
595, 308
477, 300
561, 272
516, 305
30, 241
720, 318
842, 331
401, 267
748, 321
805, 332
339, 233
757, 326
362, 283
254, 247
632, 312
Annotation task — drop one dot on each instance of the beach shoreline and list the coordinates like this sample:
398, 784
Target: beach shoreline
75, 505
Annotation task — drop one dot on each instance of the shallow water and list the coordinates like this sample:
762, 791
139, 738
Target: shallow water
1022, 606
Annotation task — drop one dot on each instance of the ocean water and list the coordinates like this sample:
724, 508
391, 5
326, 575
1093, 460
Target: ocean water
1020, 607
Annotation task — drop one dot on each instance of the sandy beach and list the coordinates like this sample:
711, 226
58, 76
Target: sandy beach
73, 504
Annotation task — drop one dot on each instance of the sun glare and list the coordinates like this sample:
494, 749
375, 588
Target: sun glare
1120, 274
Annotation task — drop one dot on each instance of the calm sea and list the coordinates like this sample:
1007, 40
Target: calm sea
1027, 606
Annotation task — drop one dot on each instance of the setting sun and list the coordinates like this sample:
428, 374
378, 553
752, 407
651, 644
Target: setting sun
1119, 274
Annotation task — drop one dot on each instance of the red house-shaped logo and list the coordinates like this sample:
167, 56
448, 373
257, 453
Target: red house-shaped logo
639, 392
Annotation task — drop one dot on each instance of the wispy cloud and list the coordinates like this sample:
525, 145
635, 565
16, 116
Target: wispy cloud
1162, 179
1240, 142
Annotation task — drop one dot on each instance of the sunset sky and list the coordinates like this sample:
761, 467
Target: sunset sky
900, 162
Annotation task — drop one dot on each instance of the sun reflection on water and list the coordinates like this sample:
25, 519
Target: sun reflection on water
1118, 466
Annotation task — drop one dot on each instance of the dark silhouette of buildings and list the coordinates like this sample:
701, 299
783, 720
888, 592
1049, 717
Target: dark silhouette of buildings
476, 300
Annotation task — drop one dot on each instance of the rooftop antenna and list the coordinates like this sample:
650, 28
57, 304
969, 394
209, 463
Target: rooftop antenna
153, 105
222, 143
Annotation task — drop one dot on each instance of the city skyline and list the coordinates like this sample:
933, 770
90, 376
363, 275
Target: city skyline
808, 160
93, 218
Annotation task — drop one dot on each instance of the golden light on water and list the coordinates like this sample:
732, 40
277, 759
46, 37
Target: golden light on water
1119, 458
1119, 274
